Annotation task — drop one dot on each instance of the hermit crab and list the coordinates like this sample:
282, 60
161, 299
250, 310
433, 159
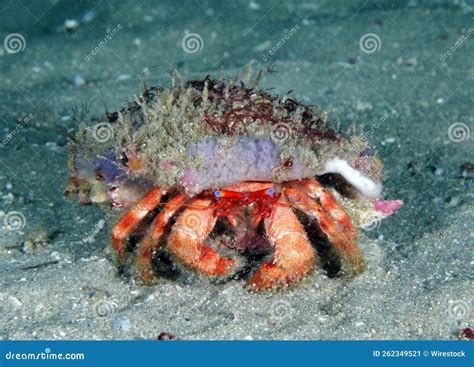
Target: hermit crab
226, 179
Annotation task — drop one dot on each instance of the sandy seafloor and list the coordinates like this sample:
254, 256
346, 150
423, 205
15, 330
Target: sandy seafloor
418, 284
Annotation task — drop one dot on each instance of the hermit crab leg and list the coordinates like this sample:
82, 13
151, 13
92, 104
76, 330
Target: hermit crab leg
186, 240
151, 241
132, 218
311, 198
294, 256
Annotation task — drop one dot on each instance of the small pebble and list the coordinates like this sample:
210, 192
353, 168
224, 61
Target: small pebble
48, 65
51, 145
437, 200
8, 198
55, 255
78, 80
150, 298
263, 46
148, 18
412, 61
439, 171
15, 301
123, 77
363, 106
253, 5
453, 202
467, 170
70, 24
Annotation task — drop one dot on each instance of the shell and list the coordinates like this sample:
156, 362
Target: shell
205, 134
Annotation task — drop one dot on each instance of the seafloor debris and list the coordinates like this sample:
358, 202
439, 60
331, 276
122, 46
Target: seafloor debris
229, 179
166, 336
466, 334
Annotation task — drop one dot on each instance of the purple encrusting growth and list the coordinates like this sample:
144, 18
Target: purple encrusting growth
109, 167
106, 165
250, 159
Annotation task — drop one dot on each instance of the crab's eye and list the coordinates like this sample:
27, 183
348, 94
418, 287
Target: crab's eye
271, 191
217, 194
99, 176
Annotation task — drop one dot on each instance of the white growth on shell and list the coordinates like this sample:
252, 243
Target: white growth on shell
365, 185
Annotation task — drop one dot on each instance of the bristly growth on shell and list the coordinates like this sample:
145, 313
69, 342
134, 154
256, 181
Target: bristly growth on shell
206, 133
